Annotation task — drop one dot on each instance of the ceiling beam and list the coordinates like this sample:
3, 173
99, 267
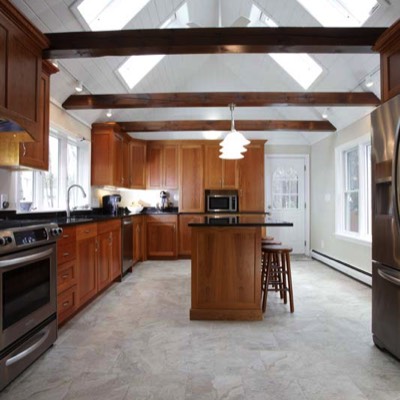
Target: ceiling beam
222, 99
225, 125
211, 41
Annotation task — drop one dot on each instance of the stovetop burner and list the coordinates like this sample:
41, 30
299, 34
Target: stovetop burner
18, 223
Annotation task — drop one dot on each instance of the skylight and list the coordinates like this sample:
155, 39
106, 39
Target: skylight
135, 68
337, 13
109, 15
301, 67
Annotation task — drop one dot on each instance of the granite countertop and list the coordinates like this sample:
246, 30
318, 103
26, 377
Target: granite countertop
239, 220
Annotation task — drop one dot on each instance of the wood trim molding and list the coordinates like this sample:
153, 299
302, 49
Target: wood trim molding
225, 125
219, 99
212, 41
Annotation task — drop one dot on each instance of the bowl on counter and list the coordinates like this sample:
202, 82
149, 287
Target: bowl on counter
25, 205
135, 209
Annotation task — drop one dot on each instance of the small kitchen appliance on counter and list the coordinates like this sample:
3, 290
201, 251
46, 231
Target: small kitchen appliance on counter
164, 203
110, 204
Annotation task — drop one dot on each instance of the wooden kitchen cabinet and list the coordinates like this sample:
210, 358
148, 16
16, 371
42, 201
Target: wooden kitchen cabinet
162, 166
67, 300
137, 154
87, 259
191, 178
36, 154
185, 233
138, 238
251, 179
108, 155
219, 174
161, 236
21, 46
115, 233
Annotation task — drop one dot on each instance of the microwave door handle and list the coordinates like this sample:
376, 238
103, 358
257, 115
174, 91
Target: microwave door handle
395, 180
24, 259
389, 277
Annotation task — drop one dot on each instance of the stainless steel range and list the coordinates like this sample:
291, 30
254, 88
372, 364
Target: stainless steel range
28, 294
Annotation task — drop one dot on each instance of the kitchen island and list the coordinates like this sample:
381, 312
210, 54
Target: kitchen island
226, 267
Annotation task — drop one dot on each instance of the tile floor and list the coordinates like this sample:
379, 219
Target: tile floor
136, 342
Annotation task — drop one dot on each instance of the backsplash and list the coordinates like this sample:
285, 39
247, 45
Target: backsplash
147, 198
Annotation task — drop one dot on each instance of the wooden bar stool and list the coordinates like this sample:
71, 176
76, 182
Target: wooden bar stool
276, 273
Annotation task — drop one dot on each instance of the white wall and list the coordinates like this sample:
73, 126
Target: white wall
323, 238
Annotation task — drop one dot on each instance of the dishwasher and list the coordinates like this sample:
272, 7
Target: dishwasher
127, 245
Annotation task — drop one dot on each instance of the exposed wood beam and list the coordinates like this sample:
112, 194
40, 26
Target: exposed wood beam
244, 99
212, 41
225, 125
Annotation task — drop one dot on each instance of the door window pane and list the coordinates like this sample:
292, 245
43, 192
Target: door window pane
285, 187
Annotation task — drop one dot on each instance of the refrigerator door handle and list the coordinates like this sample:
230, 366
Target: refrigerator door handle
389, 277
395, 179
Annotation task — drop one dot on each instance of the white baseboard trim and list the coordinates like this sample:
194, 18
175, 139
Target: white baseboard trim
346, 269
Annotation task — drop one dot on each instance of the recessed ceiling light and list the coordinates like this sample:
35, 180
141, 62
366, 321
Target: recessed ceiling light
78, 86
368, 81
325, 114
109, 113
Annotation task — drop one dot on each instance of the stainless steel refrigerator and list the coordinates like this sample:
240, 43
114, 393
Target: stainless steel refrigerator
386, 226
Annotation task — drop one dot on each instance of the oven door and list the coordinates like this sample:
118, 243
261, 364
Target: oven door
27, 291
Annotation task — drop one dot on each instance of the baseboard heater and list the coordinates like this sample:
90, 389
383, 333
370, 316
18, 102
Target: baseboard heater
347, 269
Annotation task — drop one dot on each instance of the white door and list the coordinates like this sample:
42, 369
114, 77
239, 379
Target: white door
286, 200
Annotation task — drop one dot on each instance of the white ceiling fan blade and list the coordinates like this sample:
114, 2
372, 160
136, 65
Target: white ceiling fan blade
241, 22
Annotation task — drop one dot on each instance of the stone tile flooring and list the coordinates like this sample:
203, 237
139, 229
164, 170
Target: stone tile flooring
136, 342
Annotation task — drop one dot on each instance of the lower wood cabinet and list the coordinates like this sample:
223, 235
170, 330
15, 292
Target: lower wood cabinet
138, 239
161, 236
185, 233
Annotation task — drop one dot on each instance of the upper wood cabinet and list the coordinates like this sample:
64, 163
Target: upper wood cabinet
191, 178
388, 45
21, 46
36, 154
162, 166
137, 153
108, 155
251, 179
219, 174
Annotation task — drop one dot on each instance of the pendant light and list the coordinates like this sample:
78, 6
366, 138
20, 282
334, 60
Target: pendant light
232, 146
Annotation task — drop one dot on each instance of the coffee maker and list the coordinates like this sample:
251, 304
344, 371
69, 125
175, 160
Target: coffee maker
110, 204
164, 203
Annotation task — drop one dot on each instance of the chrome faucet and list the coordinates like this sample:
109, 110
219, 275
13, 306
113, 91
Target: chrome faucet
68, 197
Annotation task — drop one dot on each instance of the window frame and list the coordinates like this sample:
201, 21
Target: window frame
362, 144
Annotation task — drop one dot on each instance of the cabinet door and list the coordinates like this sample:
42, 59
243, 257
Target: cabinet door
118, 160
115, 253
137, 239
185, 233
104, 260
170, 167
102, 158
126, 167
191, 178
87, 269
161, 236
36, 154
251, 170
154, 167
230, 174
138, 165
213, 167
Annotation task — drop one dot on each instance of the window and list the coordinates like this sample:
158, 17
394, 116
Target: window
285, 189
353, 186
336, 13
69, 163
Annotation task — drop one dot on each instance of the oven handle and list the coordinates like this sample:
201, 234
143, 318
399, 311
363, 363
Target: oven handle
20, 260
25, 353
389, 277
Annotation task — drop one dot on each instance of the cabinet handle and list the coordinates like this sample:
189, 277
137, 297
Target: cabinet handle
87, 231
24, 149
66, 304
96, 247
65, 254
65, 276
65, 236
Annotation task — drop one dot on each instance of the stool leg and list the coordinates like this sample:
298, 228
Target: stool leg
289, 276
284, 272
268, 272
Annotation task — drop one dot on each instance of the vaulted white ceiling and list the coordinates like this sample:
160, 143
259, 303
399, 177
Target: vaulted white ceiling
212, 73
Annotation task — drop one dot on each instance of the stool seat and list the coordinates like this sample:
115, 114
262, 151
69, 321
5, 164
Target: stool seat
270, 243
276, 273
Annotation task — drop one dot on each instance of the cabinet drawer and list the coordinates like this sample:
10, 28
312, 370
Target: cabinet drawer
108, 226
68, 236
66, 276
66, 252
66, 303
86, 231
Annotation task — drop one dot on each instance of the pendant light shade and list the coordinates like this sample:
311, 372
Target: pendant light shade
232, 146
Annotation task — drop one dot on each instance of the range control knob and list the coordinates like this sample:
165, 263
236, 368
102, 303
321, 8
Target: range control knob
56, 231
5, 240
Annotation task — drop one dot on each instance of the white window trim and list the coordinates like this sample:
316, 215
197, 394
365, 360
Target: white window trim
340, 232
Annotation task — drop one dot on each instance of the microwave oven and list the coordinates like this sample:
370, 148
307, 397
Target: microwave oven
222, 201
